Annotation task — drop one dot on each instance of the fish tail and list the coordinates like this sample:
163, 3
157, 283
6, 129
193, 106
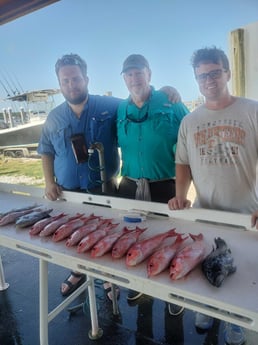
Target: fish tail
198, 237
180, 238
172, 232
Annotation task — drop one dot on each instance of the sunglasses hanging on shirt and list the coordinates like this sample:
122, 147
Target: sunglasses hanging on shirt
140, 120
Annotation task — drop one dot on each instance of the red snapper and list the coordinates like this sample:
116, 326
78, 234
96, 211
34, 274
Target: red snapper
189, 257
144, 248
161, 259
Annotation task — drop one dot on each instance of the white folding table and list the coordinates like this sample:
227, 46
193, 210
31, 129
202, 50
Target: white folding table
235, 301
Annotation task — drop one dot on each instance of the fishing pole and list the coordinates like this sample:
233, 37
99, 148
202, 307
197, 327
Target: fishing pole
17, 81
7, 82
13, 83
3, 85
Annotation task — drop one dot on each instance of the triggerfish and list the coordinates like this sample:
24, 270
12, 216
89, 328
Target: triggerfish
219, 264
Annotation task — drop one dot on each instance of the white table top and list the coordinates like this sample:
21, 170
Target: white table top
236, 297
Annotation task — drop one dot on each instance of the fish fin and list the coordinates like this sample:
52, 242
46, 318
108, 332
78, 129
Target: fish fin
198, 237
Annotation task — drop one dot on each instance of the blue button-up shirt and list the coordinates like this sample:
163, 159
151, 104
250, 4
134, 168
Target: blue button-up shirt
98, 124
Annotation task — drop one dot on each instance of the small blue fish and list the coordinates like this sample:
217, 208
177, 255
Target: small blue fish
32, 218
26, 208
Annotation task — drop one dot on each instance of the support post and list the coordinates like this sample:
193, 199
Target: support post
238, 62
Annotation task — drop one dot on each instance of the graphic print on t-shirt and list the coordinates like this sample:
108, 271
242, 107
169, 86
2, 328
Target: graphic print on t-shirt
219, 143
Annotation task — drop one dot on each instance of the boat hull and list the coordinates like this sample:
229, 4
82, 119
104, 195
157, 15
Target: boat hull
21, 135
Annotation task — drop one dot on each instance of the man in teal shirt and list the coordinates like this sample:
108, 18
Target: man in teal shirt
147, 128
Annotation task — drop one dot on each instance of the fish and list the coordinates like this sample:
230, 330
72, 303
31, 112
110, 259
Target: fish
78, 234
39, 226
88, 242
68, 228
13, 216
52, 227
188, 257
83, 231
219, 263
123, 244
161, 259
32, 218
106, 243
26, 208
144, 248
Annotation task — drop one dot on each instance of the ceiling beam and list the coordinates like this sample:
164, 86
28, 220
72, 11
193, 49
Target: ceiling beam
13, 9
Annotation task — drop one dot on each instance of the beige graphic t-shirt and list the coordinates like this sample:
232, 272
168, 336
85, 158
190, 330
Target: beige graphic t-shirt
221, 147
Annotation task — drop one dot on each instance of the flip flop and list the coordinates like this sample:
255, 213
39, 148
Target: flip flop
72, 287
108, 289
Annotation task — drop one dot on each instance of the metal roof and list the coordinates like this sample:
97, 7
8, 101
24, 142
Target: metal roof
12, 9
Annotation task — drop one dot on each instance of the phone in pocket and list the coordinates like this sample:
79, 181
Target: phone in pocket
79, 147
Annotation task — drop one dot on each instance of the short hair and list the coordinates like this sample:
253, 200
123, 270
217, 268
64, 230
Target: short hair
210, 55
71, 60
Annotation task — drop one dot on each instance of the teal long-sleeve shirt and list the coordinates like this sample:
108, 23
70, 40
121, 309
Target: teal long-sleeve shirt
147, 136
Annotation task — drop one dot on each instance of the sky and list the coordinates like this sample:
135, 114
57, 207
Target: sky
105, 32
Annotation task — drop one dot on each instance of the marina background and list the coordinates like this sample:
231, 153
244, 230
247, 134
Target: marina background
106, 32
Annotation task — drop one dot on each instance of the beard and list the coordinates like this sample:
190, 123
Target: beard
78, 99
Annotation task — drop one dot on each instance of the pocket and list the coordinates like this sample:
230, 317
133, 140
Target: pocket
122, 129
161, 122
102, 125
61, 140
166, 125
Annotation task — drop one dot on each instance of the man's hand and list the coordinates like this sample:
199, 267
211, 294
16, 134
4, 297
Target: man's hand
178, 203
254, 219
172, 93
53, 191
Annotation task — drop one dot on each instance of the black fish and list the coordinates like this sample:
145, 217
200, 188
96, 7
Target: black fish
219, 263
32, 218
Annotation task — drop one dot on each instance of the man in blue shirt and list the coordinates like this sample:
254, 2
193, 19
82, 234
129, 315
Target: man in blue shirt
80, 122
70, 129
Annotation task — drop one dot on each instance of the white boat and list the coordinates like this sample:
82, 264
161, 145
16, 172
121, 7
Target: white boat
23, 127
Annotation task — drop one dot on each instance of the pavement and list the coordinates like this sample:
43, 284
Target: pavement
146, 322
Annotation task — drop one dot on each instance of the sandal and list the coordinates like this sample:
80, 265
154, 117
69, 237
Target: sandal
108, 291
72, 287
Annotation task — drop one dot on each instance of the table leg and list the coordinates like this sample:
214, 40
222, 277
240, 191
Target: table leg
114, 300
95, 332
43, 301
3, 284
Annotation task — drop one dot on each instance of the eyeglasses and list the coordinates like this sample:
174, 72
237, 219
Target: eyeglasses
215, 74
